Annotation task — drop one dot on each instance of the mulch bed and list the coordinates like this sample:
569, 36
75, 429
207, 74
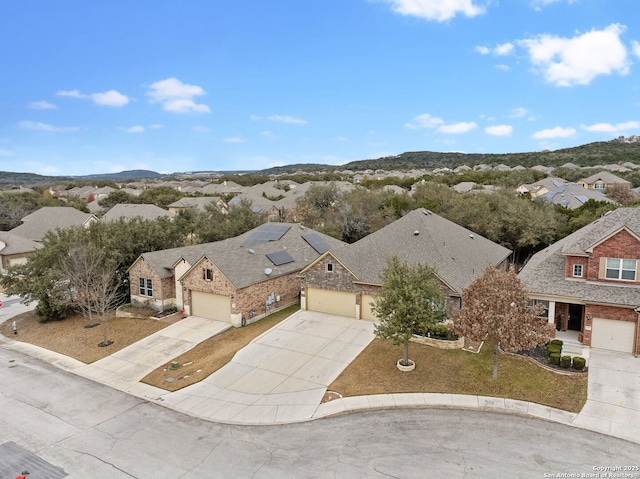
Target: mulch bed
539, 355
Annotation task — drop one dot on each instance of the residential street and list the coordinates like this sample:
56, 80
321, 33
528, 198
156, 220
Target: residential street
84, 429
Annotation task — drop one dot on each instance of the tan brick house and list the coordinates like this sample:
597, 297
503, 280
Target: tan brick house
238, 280
345, 281
589, 282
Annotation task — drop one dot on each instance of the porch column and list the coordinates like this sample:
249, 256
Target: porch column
552, 313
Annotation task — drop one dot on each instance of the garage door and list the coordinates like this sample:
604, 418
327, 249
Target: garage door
211, 306
366, 305
613, 335
332, 302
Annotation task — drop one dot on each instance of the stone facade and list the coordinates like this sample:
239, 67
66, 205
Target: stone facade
164, 291
247, 304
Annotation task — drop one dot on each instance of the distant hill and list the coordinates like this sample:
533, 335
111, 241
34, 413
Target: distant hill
9, 178
589, 155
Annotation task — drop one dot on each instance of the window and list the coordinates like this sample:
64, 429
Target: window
545, 304
146, 287
329, 267
599, 186
623, 269
577, 270
208, 275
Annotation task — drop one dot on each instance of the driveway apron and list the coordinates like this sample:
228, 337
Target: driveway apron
613, 404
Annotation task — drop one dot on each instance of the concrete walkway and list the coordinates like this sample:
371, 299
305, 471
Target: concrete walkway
282, 376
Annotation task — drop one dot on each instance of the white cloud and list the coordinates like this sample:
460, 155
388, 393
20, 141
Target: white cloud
499, 130
135, 129
519, 112
41, 105
635, 47
557, 132
424, 121
457, 128
235, 139
287, 119
502, 67
71, 93
578, 60
156, 126
110, 98
36, 126
201, 129
482, 50
438, 10
107, 98
616, 129
177, 97
255, 117
538, 4
503, 49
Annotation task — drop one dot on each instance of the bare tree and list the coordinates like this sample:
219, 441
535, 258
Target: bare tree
80, 267
105, 295
495, 306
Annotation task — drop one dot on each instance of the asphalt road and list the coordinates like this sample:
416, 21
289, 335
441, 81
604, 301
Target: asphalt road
50, 418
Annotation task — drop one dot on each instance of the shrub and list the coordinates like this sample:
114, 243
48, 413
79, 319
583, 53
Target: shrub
555, 358
436, 331
557, 342
553, 349
565, 362
579, 363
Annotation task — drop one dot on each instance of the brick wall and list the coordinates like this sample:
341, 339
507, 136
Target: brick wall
622, 245
581, 260
245, 300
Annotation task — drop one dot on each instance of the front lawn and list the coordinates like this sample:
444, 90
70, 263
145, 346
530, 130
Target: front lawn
374, 371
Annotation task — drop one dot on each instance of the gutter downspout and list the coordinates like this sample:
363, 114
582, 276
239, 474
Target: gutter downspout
635, 351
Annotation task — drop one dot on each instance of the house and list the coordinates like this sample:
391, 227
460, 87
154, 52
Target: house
128, 211
197, 203
49, 218
589, 284
345, 281
15, 250
602, 180
542, 187
572, 196
237, 280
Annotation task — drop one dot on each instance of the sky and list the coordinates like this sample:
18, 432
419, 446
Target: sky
92, 87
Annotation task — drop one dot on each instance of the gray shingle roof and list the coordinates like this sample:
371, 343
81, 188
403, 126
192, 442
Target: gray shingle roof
17, 244
236, 263
572, 195
146, 212
456, 253
545, 272
48, 218
607, 177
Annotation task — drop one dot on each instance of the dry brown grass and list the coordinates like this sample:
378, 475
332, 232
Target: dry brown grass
374, 371
71, 338
210, 355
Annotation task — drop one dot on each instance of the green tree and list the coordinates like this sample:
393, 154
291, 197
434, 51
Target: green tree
216, 225
118, 197
495, 306
161, 196
411, 296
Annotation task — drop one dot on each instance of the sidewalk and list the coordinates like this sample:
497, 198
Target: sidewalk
282, 376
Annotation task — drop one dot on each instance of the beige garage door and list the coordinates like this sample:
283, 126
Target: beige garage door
332, 302
613, 335
366, 303
211, 306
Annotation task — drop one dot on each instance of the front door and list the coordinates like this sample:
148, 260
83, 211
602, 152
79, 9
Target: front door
576, 312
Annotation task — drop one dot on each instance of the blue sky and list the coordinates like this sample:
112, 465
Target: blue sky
96, 87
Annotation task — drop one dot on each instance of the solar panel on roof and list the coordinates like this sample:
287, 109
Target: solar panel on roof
280, 257
316, 242
265, 233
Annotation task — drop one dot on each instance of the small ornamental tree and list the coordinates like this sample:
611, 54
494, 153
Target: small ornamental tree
495, 306
411, 296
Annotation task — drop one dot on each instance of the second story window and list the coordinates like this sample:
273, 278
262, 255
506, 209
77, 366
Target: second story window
329, 267
577, 270
622, 269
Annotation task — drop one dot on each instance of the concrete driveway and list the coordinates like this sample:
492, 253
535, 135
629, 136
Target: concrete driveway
282, 375
613, 404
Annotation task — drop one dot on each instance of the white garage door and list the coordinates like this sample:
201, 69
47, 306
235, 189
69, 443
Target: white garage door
211, 306
332, 302
366, 305
613, 335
